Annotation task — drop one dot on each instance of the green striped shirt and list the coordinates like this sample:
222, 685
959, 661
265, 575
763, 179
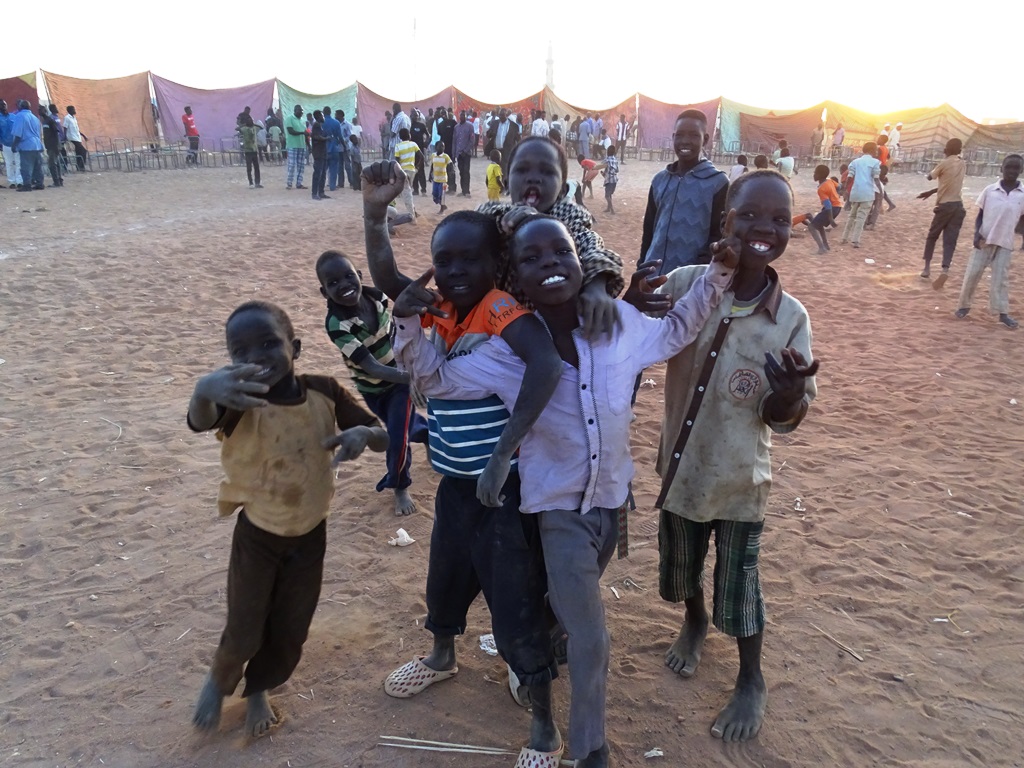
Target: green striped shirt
356, 342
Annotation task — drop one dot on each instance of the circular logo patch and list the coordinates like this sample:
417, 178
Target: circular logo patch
744, 384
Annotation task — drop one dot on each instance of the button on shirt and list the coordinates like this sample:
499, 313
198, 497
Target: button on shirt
576, 456
1001, 212
864, 170
71, 128
27, 128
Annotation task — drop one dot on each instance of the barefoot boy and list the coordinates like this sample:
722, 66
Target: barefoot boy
359, 323
721, 406
276, 431
575, 461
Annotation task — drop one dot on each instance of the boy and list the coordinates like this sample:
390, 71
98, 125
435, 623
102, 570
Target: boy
439, 173
479, 541
1000, 207
590, 170
713, 458
405, 153
786, 164
359, 323
611, 177
860, 187
686, 201
949, 213
494, 177
575, 462
356, 158
739, 169
761, 163
276, 431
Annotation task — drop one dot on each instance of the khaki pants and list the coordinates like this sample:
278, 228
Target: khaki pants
855, 224
998, 258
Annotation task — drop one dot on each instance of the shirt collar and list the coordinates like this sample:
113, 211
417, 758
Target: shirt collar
772, 298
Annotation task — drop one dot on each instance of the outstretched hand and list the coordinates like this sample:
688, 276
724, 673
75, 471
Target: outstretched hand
383, 182
232, 387
418, 300
349, 443
640, 292
926, 194
788, 379
727, 250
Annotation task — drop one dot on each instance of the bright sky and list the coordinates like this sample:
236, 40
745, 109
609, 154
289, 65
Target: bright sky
791, 54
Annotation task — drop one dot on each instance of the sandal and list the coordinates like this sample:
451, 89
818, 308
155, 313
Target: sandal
414, 677
531, 758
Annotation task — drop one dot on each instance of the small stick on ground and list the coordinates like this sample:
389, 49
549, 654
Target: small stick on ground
838, 643
115, 424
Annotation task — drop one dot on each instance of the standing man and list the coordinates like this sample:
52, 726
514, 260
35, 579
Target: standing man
55, 114
502, 136
192, 134
51, 141
894, 144
817, 139
332, 130
838, 136
11, 158
476, 132
318, 149
621, 137
295, 141
76, 137
540, 125
345, 160
586, 131
27, 142
949, 209
398, 122
463, 150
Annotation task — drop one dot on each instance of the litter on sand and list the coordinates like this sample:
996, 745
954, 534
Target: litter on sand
798, 505
869, 261
488, 646
654, 753
402, 539
648, 383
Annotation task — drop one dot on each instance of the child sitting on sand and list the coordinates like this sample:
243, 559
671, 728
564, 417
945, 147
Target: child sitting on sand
276, 431
713, 459
359, 323
575, 460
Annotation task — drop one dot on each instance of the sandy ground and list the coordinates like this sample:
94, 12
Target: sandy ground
113, 292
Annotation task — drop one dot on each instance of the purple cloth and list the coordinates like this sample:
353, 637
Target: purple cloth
658, 120
215, 111
464, 139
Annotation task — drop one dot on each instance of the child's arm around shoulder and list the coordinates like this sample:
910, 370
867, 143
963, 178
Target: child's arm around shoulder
228, 388
357, 354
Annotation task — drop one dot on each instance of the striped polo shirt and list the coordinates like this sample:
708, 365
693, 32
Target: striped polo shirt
405, 154
356, 342
463, 432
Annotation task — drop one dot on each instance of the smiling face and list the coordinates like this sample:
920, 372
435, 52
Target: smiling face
256, 337
340, 282
763, 220
464, 266
535, 175
1011, 169
688, 139
547, 268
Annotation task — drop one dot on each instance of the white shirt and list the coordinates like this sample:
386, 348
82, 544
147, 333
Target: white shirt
476, 125
357, 130
1001, 210
737, 171
894, 138
540, 127
71, 128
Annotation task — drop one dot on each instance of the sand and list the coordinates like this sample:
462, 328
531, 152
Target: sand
113, 292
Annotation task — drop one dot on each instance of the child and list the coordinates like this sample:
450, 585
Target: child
611, 177
1000, 207
884, 157
786, 163
405, 153
575, 461
685, 204
249, 140
860, 188
359, 323
831, 207
590, 170
713, 459
739, 169
494, 177
876, 206
783, 145
439, 168
276, 431
356, 158
949, 213
604, 142
761, 163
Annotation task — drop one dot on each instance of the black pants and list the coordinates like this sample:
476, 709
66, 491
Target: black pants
193, 151
252, 161
81, 154
946, 221
54, 159
419, 181
474, 548
463, 161
273, 588
319, 175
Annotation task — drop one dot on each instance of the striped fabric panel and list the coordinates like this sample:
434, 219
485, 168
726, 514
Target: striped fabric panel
462, 434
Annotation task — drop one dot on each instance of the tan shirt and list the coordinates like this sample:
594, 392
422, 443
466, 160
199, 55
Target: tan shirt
275, 464
714, 455
950, 175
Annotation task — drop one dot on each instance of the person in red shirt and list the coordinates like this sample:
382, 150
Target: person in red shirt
192, 134
590, 170
884, 155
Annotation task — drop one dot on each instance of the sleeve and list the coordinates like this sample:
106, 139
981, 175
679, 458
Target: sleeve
462, 377
226, 419
502, 310
937, 171
800, 339
594, 256
345, 341
667, 337
981, 198
650, 215
348, 412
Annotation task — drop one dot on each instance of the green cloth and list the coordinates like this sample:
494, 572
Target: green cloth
295, 141
249, 138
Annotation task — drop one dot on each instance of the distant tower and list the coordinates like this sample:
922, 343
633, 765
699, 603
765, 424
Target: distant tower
549, 79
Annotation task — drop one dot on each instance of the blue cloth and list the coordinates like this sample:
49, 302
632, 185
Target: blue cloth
28, 128
332, 129
864, 170
395, 409
31, 168
6, 129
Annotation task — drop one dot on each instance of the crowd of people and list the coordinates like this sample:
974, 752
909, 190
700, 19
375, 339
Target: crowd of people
24, 136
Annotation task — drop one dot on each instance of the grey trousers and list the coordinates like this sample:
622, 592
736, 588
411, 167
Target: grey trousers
998, 259
577, 549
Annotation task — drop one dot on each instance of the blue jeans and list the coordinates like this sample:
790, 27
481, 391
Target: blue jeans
31, 168
333, 160
346, 164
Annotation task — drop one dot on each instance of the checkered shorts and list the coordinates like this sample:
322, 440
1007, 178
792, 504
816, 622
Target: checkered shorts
683, 544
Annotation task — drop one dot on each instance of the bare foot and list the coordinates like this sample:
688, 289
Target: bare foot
404, 505
596, 759
683, 657
259, 716
207, 712
742, 717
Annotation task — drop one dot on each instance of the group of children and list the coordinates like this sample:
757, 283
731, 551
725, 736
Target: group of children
527, 422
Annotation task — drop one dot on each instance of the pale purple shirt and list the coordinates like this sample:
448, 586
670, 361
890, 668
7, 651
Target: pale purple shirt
576, 456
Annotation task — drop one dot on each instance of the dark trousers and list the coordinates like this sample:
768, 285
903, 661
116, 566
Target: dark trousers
355, 178
333, 164
946, 221
31, 168
419, 181
273, 588
193, 151
474, 548
53, 156
319, 175
81, 154
346, 169
252, 162
394, 407
463, 161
